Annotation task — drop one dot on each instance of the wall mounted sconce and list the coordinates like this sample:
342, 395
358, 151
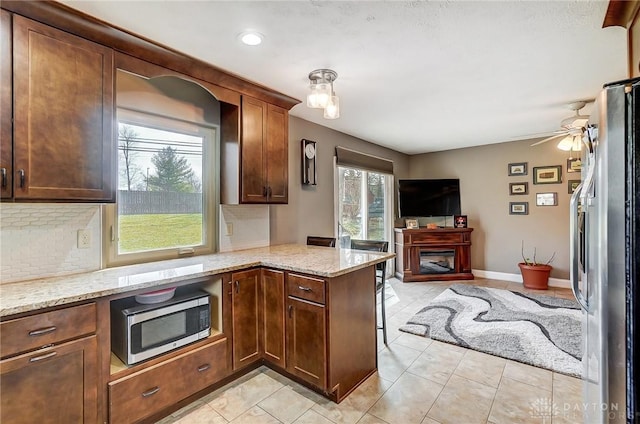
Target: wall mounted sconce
321, 94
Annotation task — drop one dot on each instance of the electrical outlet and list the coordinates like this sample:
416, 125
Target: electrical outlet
229, 229
84, 239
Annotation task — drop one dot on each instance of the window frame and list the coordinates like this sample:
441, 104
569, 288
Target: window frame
389, 217
210, 192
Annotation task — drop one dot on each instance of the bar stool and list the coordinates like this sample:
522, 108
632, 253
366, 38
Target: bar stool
381, 270
321, 241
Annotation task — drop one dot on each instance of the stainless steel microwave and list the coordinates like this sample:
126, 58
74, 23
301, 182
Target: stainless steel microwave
142, 331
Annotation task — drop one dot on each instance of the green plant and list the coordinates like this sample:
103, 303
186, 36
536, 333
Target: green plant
534, 261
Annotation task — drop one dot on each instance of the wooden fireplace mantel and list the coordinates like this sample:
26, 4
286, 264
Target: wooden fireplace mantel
411, 244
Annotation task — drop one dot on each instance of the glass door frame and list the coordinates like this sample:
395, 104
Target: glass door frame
389, 218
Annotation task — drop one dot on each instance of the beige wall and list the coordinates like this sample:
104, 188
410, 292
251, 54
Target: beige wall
485, 198
484, 188
310, 209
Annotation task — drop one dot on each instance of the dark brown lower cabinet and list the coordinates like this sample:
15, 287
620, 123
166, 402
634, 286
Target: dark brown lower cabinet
272, 312
153, 389
321, 331
52, 385
306, 341
245, 287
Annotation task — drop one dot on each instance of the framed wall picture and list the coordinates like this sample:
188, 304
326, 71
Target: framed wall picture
546, 199
547, 174
518, 188
460, 221
574, 165
411, 223
519, 168
518, 208
573, 185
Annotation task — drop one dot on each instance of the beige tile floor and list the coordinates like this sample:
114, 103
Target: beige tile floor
418, 381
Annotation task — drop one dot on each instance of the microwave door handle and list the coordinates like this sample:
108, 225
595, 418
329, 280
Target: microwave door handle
574, 244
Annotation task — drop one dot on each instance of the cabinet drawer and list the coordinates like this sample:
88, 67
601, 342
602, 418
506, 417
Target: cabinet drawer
149, 391
436, 237
58, 384
307, 288
24, 334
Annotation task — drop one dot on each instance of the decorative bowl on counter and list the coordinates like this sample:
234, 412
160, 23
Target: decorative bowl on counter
156, 296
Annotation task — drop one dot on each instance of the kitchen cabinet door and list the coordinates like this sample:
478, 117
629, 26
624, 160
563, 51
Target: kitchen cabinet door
6, 107
246, 317
264, 152
63, 115
53, 385
277, 148
253, 184
306, 341
272, 306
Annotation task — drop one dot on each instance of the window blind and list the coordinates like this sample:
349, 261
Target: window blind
353, 159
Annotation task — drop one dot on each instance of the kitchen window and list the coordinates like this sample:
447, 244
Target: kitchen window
165, 205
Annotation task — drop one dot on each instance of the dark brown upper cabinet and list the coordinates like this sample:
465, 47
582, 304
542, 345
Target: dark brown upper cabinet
63, 116
264, 152
64, 131
6, 111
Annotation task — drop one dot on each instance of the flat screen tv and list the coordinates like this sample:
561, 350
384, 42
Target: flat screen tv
429, 197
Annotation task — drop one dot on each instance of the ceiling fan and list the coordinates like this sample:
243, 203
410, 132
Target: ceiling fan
571, 128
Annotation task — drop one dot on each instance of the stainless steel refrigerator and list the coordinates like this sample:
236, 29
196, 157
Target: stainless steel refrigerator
605, 250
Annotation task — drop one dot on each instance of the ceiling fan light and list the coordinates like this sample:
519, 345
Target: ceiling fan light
566, 143
576, 145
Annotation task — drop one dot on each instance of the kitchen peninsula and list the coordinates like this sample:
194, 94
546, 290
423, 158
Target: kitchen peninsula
307, 312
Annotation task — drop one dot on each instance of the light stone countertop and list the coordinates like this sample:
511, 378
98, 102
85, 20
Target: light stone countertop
42, 293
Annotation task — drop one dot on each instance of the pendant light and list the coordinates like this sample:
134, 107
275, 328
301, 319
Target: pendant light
321, 94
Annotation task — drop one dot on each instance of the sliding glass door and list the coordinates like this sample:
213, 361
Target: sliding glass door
364, 205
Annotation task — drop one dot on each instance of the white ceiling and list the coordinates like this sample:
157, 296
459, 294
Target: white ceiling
413, 76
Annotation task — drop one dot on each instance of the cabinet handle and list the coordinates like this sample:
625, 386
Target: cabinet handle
305, 289
40, 358
3, 171
204, 367
151, 392
42, 331
269, 191
290, 310
21, 176
237, 286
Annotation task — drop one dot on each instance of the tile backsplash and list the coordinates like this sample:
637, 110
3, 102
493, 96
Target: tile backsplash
40, 240
249, 227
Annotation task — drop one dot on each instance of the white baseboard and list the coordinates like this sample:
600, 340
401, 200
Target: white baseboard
517, 278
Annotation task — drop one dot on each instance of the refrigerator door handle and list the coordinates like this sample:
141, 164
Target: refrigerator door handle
574, 244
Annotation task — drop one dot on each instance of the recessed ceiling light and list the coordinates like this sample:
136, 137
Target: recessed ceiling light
251, 38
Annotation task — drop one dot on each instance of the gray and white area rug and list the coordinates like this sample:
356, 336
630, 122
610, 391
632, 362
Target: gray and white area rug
538, 330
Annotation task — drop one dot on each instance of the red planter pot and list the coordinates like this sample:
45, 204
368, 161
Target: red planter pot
535, 276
